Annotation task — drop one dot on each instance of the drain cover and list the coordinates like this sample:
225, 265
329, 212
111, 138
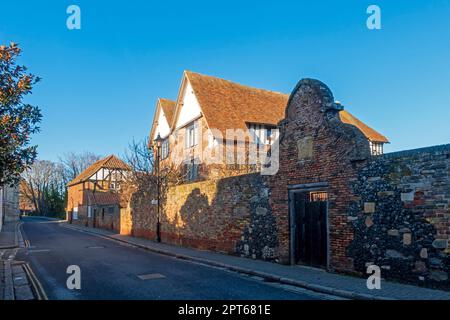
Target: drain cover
151, 276
96, 247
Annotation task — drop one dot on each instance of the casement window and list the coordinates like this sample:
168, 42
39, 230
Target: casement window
191, 136
165, 148
261, 134
75, 213
89, 211
376, 148
110, 210
115, 185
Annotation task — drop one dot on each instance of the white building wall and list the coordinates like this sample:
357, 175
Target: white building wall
190, 108
163, 127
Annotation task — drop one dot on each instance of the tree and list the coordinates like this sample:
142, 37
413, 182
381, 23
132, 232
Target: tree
18, 120
43, 186
143, 177
75, 163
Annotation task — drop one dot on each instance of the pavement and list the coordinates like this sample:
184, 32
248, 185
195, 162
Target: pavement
16, 278
9, 235
308, 278
116, 270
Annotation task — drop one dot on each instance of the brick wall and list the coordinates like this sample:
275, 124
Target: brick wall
230, 215
105, 218
75, 196
316, 147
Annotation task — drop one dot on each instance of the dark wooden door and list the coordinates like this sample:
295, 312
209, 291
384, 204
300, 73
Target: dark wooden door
94, 219
311, 231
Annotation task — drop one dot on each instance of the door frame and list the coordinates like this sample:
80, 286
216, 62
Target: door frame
300, 188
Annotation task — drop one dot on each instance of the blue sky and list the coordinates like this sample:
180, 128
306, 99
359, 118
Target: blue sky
100, 83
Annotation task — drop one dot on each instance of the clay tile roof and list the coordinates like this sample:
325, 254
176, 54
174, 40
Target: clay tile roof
103, 198
370, 133
110, 162
168, 106
227, 105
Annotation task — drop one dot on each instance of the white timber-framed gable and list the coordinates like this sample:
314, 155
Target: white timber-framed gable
188, 108
160, 126
113, 176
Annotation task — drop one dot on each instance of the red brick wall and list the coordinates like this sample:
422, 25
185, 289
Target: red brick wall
330, 154
229, 215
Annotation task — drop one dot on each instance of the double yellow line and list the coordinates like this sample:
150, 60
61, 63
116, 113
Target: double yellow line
37, 286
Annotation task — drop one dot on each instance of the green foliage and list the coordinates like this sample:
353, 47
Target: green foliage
18, 120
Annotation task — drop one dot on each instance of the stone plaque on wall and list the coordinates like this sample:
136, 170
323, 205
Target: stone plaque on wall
305, 148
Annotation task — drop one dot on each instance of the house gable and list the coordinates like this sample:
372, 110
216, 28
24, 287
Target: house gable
110, 163
162, 120
188, 108
162, 126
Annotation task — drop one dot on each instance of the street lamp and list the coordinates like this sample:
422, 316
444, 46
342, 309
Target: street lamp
158, 143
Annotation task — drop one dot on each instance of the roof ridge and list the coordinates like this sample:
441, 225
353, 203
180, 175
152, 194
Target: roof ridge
187, 72
167, 99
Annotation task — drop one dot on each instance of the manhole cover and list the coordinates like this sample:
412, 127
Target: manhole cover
151, 276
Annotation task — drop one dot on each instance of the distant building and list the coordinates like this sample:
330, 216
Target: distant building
93, 199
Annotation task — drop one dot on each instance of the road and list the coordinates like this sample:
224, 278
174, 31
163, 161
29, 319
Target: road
111, 270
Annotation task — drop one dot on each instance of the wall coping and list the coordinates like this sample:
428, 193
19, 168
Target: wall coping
412, 152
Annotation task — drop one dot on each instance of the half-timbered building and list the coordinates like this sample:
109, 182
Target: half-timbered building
93, 198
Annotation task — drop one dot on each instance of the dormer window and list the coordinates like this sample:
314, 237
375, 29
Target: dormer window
261, 134
376, 148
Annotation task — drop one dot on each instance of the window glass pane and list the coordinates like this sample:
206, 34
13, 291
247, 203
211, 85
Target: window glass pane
318, 196
195, 133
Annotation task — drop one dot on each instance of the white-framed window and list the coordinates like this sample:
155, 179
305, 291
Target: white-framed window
191, 137
75, 213
89, 211
261, 134
165, 148
114, 185
376, 148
